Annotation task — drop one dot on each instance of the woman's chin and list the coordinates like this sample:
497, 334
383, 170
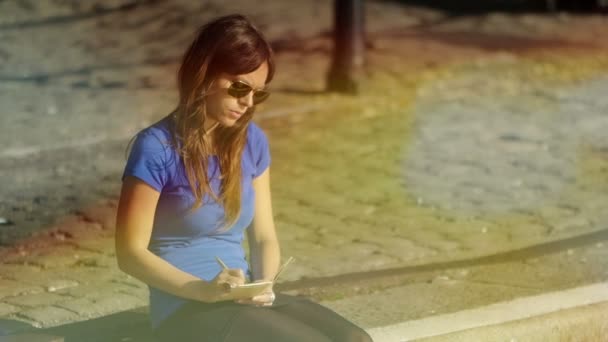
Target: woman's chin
229, 121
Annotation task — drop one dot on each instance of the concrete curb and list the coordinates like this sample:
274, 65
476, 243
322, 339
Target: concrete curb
578, 314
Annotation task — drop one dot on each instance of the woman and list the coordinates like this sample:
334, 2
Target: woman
194, 182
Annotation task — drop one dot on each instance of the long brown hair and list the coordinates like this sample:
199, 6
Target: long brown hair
229, 44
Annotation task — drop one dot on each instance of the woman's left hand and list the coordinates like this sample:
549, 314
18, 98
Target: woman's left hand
264, 299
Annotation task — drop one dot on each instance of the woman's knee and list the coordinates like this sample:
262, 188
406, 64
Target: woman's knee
358, 335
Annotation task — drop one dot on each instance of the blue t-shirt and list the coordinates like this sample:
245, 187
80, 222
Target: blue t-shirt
188, 241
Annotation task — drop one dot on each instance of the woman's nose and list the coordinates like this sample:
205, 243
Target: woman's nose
247, 100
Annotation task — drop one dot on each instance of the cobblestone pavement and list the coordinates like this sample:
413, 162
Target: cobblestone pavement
456, 149
514, 144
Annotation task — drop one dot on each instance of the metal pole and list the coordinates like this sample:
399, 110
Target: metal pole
348, 52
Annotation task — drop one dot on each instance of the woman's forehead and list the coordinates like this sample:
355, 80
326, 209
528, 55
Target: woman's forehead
256, 78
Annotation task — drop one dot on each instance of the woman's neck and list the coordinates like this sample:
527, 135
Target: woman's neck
210, 125
208, 138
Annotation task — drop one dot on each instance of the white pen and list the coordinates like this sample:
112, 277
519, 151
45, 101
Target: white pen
281, 269
224, 266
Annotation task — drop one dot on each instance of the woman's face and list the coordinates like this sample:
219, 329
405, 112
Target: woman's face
224, 109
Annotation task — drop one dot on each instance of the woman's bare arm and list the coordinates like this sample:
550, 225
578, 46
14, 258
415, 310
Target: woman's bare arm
134, 220
265, 252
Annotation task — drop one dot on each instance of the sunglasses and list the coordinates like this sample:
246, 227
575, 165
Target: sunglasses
239, 89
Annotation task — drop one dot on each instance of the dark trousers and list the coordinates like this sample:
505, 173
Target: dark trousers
290, 318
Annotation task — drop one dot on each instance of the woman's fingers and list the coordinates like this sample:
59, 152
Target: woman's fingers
236, 280
237, 273
252, 302
233, 276
264, 299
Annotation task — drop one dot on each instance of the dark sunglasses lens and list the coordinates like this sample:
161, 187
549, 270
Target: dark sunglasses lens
239, 89
260, 96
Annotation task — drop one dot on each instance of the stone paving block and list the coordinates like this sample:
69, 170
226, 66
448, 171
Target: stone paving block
353, 258
84, 307
59, 284
304, 218
22, 273
46, 280
142, 294
48, 316
404, 249
132, 287
488, 242
14, 272
67, 276
327, 223
286, 208
335, 238
6, 309
55, 261
128, 281
100, 261
369, 194
296, 271
10, 288
305, 254
527, 232
575, 223
58, 256
99, 245
94, 290
374, 262
82, 253
92, 275
434, 240
34, 300
88, 308
358, 249
365, 212
118, 302
401, 222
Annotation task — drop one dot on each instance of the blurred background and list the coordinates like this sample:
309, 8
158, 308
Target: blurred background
402, 132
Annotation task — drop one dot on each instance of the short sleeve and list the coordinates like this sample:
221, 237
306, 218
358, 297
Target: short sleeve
262, 155
147, 161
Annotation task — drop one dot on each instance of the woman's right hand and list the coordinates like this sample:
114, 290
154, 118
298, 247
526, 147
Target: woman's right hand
218, 289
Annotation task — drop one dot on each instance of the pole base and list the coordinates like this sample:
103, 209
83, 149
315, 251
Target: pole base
342, 83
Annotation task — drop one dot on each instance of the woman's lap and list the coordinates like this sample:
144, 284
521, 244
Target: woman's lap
325, 320
290, 318
266, 324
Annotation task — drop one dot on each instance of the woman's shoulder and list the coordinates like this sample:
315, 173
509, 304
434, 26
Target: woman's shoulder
255, 133
156, 135
258, 148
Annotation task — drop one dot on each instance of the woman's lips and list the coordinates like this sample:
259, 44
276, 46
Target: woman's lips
235, 115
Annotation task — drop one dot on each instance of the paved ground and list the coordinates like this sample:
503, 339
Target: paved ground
475, 136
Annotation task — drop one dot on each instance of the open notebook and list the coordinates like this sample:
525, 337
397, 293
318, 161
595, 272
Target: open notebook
255, 288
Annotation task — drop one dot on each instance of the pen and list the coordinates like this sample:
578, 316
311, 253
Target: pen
221, 263
276, 276
224, 266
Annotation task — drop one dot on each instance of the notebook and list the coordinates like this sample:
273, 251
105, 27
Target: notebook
255, 288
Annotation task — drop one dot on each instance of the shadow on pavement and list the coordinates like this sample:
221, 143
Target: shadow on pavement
132, 325
458, 8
